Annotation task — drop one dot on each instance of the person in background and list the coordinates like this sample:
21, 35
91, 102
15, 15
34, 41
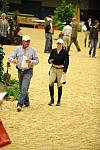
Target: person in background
88, 24
94, 38
51, 23
67, 31
48, 35
4, 29
59, 59
74, 34
24, 57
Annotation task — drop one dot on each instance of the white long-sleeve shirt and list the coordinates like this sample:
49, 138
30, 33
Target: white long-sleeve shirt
67, 30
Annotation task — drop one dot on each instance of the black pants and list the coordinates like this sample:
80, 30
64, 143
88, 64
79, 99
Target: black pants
74, 40
2, 40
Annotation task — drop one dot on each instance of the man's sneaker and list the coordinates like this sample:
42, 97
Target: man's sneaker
26, 105
19, 108
58, 104
50, 103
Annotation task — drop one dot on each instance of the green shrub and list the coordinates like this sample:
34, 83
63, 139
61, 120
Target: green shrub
13, 89
63, 13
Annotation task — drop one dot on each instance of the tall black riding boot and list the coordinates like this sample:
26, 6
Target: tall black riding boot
51, 90
85, 42
59, 95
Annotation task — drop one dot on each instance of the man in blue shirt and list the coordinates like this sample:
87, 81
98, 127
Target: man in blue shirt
24, 57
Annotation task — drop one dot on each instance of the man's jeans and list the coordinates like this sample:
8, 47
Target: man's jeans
48, 43
24, 82
93, 46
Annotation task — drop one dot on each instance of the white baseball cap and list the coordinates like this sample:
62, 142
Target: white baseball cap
26, 38
3, 14
60, 41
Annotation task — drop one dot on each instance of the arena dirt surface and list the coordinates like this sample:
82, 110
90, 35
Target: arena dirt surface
75, 125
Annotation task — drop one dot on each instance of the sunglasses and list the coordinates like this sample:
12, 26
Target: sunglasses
59, 43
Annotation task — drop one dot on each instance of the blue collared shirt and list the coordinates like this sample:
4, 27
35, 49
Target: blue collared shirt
19, 52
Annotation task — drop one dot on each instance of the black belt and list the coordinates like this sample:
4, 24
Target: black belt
23, 69
57, 67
